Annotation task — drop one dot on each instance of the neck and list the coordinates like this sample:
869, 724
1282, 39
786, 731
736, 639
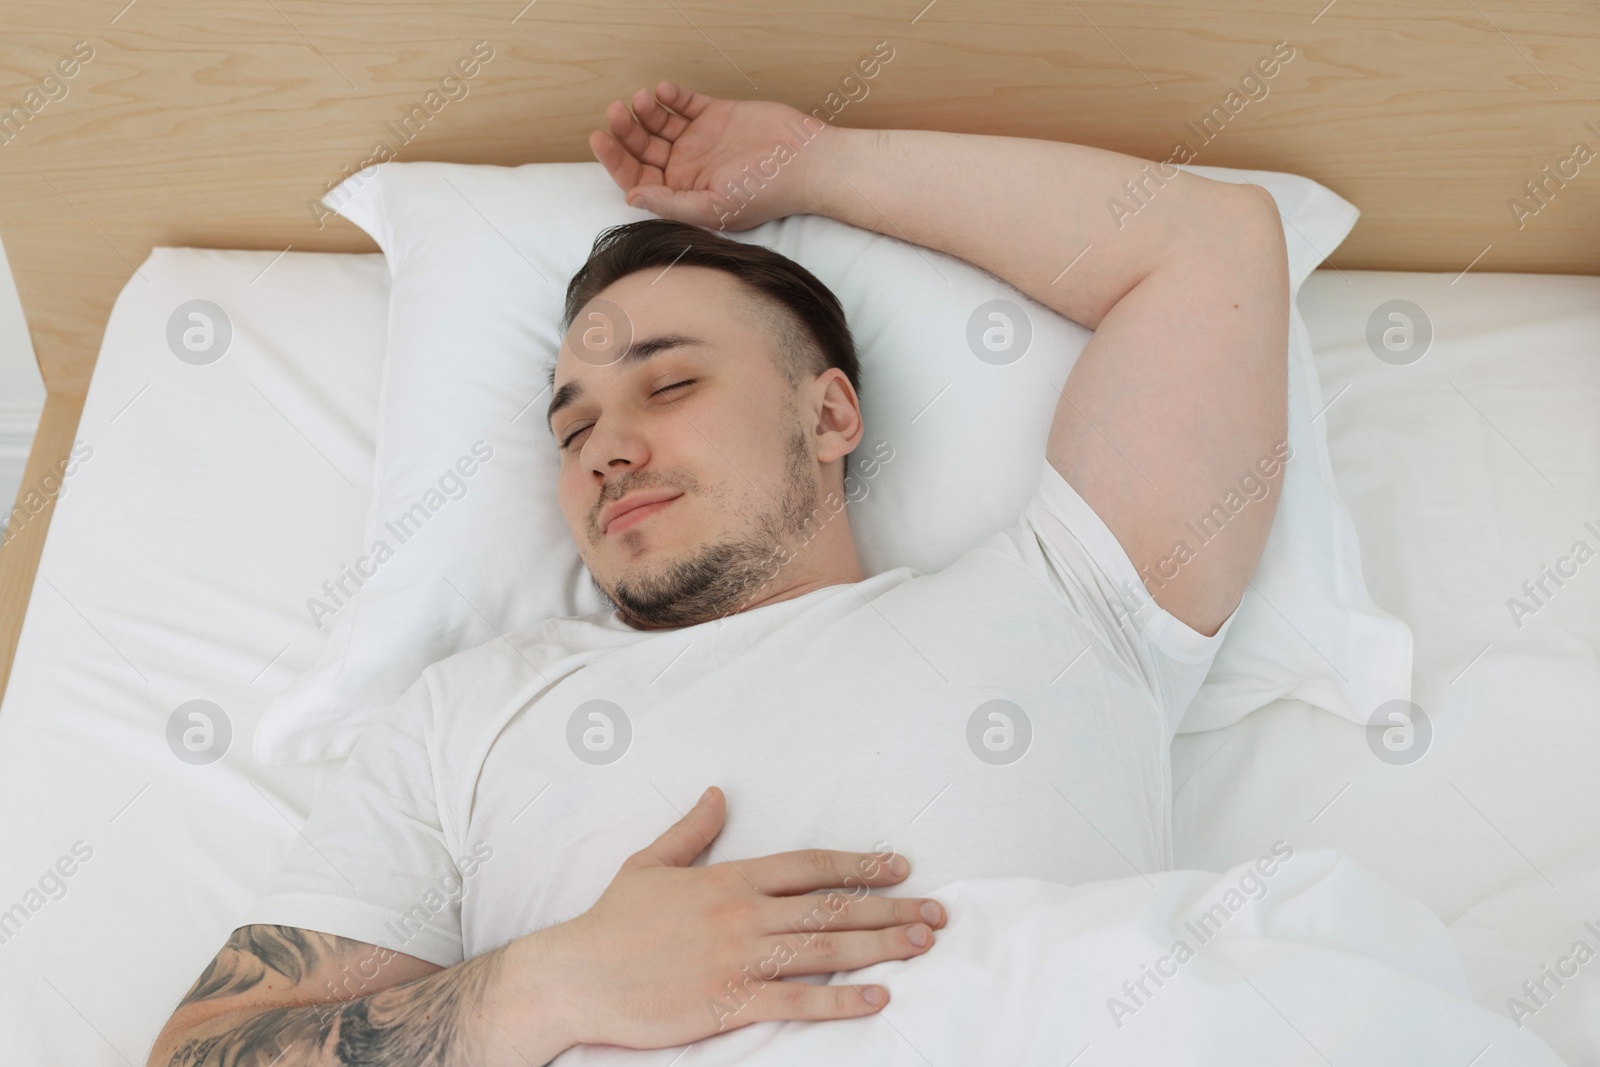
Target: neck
824, 555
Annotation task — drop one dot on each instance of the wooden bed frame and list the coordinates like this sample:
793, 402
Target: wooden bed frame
220, 125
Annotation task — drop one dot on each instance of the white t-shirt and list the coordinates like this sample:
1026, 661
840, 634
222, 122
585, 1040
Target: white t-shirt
858, 716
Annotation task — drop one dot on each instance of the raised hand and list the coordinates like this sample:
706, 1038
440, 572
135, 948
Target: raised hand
677, 152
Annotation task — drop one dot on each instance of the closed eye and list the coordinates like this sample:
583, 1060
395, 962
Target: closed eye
665, 388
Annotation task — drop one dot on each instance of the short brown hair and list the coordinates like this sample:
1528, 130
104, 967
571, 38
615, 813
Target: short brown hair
808, 326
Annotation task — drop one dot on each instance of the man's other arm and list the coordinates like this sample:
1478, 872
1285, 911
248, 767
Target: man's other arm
286, 996
669, 954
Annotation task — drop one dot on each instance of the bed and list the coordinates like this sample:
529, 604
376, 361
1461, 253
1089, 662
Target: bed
205, 503
172, 581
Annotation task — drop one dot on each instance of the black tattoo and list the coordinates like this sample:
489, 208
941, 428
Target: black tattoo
427, 1022
261, 1040
252, 951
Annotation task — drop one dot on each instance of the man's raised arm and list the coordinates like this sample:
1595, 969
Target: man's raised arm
1181, 393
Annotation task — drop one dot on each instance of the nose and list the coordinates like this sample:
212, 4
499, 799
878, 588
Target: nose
611, 448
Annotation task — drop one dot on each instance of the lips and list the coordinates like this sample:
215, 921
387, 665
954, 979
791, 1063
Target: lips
617, 509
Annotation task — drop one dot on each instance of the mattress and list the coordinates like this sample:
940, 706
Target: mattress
220, 495
1467, 473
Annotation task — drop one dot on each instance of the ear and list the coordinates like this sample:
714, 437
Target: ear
838, 426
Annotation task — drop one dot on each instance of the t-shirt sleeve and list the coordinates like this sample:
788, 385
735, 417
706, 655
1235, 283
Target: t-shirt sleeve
372, 862
1063, 538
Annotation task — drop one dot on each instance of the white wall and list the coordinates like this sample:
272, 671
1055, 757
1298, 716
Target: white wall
21, 390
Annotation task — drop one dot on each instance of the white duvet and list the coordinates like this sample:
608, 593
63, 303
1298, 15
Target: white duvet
1295, 958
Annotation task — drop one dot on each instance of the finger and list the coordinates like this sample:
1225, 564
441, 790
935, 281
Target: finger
823, 952
819, 868
651, 151
688, 837
798, 1000
842, 910
684, 101
625, 170
657, 119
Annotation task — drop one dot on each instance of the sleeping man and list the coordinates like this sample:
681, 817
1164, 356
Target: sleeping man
486, 880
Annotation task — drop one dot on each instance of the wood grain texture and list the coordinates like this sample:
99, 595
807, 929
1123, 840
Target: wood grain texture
19, 556
221, 125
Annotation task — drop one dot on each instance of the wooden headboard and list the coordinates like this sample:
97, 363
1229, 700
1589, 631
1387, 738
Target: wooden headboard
199, 122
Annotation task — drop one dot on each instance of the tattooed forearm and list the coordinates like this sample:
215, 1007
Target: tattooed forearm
430, 1022
262, 1040
252, 951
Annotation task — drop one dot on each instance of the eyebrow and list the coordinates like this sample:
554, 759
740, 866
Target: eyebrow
639, 351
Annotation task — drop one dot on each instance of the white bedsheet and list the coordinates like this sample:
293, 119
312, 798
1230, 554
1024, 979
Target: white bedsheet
219, 497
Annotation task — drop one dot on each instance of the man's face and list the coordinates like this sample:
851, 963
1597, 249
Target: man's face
707, 424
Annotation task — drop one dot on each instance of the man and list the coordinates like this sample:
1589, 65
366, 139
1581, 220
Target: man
479, 885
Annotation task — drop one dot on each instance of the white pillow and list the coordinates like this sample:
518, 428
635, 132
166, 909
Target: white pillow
480, 257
